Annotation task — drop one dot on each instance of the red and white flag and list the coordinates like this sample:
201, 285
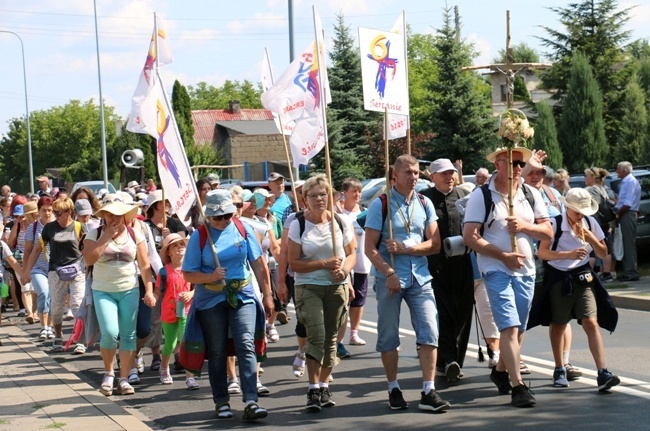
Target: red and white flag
154, 116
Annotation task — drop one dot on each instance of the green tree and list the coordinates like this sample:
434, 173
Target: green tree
521, 53
581, 131
632, 144
461, 114
423, 72
347, 121
183, 113
205, 96
644, 77
546, 135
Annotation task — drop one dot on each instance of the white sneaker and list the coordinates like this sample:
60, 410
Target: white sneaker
492, 362
68, 315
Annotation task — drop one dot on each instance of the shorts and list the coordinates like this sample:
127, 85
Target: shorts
26, 288
360, 286
424, 315
581, 304
510, 298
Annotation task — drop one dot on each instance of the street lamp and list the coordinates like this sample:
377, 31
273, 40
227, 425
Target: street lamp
29, 129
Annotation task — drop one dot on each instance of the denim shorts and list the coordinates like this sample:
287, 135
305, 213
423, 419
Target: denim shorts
510, 298
424, 315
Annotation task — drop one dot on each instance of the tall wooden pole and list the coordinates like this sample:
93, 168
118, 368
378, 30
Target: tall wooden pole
509, 104
389, 188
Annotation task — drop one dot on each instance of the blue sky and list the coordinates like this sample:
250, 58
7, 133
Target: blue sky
215, 40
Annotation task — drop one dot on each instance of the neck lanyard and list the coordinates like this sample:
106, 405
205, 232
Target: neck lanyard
407, 222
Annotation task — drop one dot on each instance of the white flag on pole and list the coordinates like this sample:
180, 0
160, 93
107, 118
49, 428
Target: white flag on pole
267, 82
398, 124
139, 123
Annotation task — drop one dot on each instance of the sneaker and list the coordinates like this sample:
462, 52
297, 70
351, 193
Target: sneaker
341, 351
355, 340
282, 317
523, 368
522, 396
22, 313
572, 373
253, 412
452, 372
68, 315
233, 387
606, 277
494, 360
191, 384
313, 400
432, 402
501, 380
560, 378
262, 390
396, 400
326, 398
299, 364
50, 334
607, 380
155, 363
272, 334
139, 363
165, 378
42, 336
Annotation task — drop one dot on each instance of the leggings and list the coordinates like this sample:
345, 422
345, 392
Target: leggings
117, 314
173, 332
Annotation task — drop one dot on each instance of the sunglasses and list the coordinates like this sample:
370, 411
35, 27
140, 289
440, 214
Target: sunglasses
59, 213
238, 204
515, 163
222, 217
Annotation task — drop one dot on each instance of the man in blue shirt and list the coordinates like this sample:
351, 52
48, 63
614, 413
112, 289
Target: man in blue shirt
629, 197
402, 274
282, 201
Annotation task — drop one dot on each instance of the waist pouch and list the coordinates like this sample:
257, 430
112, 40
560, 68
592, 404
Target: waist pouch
582, 277
68, 272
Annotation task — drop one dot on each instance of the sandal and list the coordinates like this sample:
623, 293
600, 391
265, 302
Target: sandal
42, 336
272, 334
57, 346
134, 378
124, 388
79, 350
253, 412
106, 387
223, 411
165, 378
299, 364
261, 389
30, 320
191, 384
155, 364
523, 368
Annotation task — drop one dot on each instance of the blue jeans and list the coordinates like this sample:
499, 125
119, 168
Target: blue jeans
510, 298
216, 323
42, 288
424, 315
117, 313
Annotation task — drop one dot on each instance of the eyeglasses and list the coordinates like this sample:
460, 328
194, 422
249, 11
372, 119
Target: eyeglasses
238, 204
59, 213
222, 217
515, 163
318, 196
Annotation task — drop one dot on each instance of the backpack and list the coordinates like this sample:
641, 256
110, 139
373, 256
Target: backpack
558, 231
489, 203
203, 232
300, 216
606, 212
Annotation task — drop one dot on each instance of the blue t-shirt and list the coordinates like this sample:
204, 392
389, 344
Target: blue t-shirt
403, 214
280, 205
233, 252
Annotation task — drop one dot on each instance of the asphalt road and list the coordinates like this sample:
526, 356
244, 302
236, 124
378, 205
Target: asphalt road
359, 388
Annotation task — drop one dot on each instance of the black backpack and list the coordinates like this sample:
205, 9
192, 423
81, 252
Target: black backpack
489, 203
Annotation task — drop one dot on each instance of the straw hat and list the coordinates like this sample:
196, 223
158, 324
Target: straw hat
114, 204
527, 154
30, 207
167, 241
580, 200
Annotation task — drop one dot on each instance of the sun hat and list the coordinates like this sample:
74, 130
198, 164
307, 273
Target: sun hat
19, 210
82, 207
441, 165
166, 242
219, 202
155, 196
533, 165
133, 184
298, 184
260, 195
580, 200
526, 153
246, 195
127, 198
101, 193
141, 196
113, 203
42, 178
30, 207
213, 178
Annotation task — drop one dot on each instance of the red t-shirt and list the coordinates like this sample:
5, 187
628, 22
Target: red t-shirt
175, 285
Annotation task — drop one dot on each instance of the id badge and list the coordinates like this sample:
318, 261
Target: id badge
409, 242
158, 239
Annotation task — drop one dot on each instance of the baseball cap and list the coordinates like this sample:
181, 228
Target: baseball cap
82, 207
441, 165
275, 176
19, 210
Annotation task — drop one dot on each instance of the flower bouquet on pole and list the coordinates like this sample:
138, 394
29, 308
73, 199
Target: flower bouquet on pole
515, 132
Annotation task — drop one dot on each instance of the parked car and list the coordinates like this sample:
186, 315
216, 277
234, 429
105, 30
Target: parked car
643, 220
95, 186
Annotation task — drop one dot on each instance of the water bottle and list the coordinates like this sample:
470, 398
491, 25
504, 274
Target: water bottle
180, 308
